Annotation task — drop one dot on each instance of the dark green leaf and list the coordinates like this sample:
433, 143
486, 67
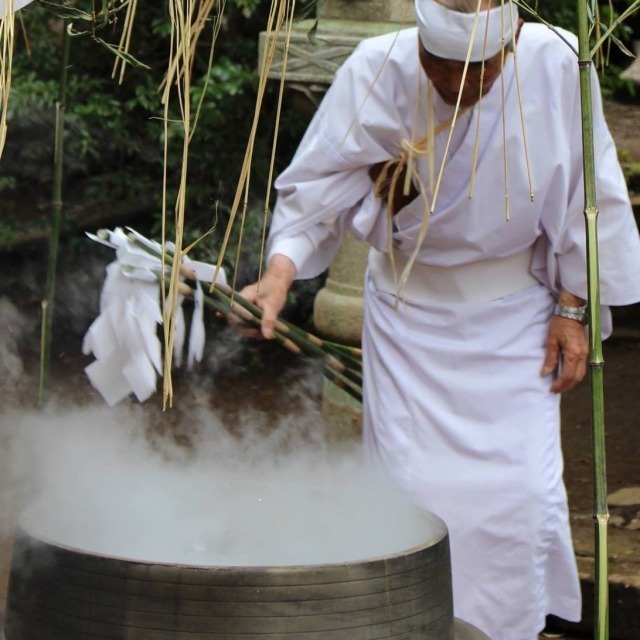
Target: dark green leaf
311, 34
66, 11
622, 46
128, 58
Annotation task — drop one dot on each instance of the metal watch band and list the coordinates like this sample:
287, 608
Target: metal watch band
579, 314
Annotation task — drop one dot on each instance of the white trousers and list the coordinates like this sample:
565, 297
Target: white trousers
456, 410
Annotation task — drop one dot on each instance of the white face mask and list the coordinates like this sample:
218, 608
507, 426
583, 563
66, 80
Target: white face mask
447, 34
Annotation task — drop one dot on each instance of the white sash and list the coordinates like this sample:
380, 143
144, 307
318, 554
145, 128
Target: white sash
474, 282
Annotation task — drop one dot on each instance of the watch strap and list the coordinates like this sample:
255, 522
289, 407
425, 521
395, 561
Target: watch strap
579, 314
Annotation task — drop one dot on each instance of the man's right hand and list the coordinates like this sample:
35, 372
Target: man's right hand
270, 295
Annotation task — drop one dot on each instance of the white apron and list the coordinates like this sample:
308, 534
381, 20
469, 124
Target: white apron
457, 412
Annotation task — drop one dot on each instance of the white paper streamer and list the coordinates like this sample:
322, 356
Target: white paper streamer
446, 33
124, 337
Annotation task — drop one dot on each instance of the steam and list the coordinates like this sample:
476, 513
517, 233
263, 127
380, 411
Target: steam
98, 480
237, 474
13, 329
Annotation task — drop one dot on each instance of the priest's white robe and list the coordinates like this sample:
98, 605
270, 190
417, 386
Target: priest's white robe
455, 406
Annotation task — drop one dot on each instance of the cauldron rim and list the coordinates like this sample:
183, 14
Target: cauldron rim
435, 538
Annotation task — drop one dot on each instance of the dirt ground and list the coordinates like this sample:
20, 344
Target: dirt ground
623, 120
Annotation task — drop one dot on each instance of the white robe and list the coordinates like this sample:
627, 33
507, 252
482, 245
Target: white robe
454, 403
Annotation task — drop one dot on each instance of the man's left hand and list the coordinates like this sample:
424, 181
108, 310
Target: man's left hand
567, 352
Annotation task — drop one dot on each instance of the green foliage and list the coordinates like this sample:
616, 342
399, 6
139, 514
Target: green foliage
563, 13
114, 134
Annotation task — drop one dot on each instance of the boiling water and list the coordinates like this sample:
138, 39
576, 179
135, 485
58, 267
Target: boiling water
232, 501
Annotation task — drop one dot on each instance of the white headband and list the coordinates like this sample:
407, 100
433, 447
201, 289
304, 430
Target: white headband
446, 33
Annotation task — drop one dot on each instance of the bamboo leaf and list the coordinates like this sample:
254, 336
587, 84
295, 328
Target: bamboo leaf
308, 9
105, 12
630, 10
525, 6
622, 46
127, 57
311, 34
66, 12
73, 33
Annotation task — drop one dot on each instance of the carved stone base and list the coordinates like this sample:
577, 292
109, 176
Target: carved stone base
316, 64
369, 10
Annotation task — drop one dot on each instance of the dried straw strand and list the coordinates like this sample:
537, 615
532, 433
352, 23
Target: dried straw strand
285, 17
125, 40
7, 38
505, 154
285, 58
476, 146
275, 18
514, 45
181, 22
430, 208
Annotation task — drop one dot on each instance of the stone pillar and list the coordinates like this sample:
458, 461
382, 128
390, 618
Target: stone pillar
337, 315
342, 25
310, 69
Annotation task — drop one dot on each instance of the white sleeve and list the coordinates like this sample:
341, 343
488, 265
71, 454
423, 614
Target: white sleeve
327, 189
618, 240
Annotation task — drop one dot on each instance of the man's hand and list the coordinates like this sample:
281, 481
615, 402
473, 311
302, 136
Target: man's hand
567, 348
270, 294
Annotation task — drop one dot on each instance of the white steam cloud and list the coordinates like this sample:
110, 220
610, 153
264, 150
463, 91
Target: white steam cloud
100, 480
213, 482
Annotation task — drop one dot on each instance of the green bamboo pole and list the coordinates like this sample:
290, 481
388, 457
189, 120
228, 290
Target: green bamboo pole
596, 360
56, 223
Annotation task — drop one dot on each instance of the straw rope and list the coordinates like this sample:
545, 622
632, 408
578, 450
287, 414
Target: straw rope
403, 167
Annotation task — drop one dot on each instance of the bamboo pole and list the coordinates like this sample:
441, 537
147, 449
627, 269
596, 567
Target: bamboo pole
596, 360
56, 223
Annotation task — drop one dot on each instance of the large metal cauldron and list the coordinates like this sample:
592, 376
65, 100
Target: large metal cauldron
58, 593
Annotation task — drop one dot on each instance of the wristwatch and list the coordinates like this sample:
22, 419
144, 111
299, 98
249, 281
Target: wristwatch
579, 314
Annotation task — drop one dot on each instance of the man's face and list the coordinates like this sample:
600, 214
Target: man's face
446, 76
